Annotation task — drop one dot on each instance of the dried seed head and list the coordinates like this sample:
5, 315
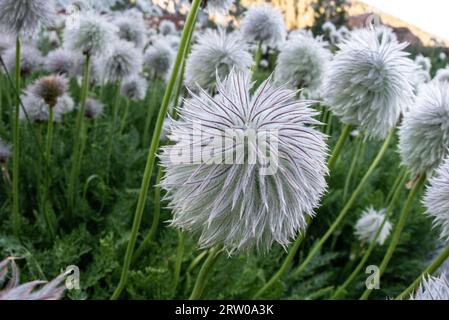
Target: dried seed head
50, 88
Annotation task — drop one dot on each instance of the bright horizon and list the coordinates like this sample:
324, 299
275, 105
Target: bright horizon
428, 15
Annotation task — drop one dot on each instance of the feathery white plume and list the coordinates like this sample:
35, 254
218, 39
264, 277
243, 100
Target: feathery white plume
369, 224
432, 288
233, 201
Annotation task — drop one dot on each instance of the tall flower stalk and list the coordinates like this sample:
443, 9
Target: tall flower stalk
398, 230
184, 43
80, 136
16, 140
340, 218
398, 186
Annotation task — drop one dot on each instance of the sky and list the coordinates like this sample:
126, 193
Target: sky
429, 15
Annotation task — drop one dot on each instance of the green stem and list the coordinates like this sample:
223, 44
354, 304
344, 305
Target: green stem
124, 117
339, 146
178, 263
50, 222
398, 230
80, 136
156, 217
257, 57
282, 270
329, 124
430, 270
16, 135
402, 175
398, 186
112, 127
340, 218
354, 162
203, 275
189, 25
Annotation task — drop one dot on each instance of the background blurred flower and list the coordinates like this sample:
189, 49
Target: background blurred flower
369, 224
436, 199
369, 82
263, 24
159, 58
216, 52
424, 133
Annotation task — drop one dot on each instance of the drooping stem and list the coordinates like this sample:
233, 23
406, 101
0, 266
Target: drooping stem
398, 230
203, 275
80, 137
340, 218
395, 194
339, 146
16, 139
283, 269
189, 25
430, 270
48, 148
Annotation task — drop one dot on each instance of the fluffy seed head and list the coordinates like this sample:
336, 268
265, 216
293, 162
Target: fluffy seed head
62, 61
265, 24
424, 133
167, 27
159, 58
124, 60
92, 35
368, 225
442, 75
94, 108
36, 109
233, 201
30, 59
369, 81
436, 199
35, 290
432, 288
131, 29
25, 16
6, 42
216, 52
219, 6
135, 88
65, 104
5, 152
302, 63
328, 27
423, 62
50, 88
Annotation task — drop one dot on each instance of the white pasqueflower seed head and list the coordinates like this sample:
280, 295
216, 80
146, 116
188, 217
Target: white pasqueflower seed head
368, 83
233, 201
65, 105
442, 56
124, 60
93, 34
135, 88
6, 42
30, 59
432, 288
302, 63
423, 62
264, 24
219, 6
424, 132
131, 29
94, 108
167, 27
436, 199
5, 151
328, 27
50, 88
369, 224
35, 290
25, 16
36, 109
62, 61
442, 75
159, 58
216, 52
